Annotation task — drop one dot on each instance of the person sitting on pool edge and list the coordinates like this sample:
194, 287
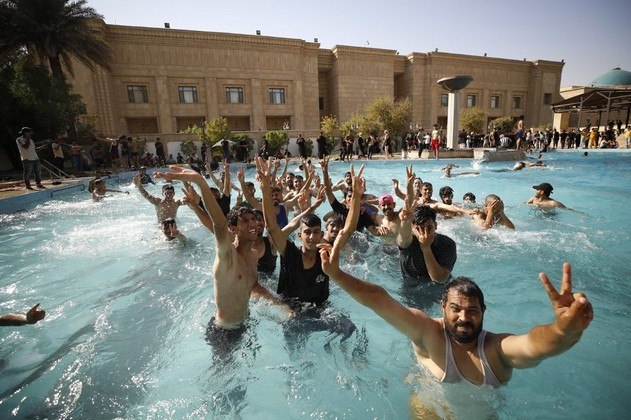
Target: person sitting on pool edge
425, 256
456, 348
542, 197
492, 214
166, 208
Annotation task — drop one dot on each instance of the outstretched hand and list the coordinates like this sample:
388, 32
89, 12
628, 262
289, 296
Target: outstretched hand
35, 314
573, 311
330, 257
191, 198
181, 174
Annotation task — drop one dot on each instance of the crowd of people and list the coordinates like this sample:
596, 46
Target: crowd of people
252, 232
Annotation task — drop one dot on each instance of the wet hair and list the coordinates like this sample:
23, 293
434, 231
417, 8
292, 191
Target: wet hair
167, 187
419, 179
466, 287
446, 190
249, 184
168, 222
238, 213
491, 197
300, 177
335, 219
469, 196
276, 189
427, 184
98, 181
257, 213
215, 190
422, 214
311, 220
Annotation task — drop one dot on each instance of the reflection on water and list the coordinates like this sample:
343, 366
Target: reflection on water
125, 334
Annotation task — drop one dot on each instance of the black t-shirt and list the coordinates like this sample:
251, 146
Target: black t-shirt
224, 203
413, 263
267, 263
363, 222
307, 285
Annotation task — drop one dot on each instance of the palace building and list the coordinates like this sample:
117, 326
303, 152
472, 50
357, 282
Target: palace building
163, 80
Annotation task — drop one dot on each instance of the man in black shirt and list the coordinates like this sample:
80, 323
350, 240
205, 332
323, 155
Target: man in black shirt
321, 146
425, 256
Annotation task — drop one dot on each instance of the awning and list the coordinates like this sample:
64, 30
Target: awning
595, 100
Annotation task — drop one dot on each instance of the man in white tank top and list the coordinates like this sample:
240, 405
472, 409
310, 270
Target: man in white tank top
455, 348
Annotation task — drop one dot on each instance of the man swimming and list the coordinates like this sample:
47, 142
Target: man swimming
542, 197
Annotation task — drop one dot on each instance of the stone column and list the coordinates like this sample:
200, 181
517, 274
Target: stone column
453, 111
258, 101
210, 84
165, 117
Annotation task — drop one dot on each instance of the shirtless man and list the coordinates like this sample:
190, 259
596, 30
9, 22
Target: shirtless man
447, 171
447, 208
455, 347
170, 230
492, 214
387, 223
417, 185
425, 198
99, 190
234, 269
542, 197
33, 316
166, 208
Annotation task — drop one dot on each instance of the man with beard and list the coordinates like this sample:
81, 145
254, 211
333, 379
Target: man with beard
542, 198
456, 348
388, 223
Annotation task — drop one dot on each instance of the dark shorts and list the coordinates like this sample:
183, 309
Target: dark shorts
223, 341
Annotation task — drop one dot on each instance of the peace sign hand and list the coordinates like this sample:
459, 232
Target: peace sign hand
573, 312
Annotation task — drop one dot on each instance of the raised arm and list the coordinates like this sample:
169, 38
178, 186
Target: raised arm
359, 186
404, 237
324, 163
192, 200
226, 180
573, 314
276, 234
397, 191
153, 200
306, 209
415, 324
246, 193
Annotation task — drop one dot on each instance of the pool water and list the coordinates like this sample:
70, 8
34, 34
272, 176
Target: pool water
124, 334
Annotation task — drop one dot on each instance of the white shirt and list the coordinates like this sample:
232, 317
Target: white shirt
57, 150
26, 154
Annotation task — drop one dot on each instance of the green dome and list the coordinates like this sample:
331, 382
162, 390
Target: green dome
614, 77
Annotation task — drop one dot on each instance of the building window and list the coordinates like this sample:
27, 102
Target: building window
234, 95
470, 101
547, 99
517, 102
444, 99
321, 103
495, 101
276, 95
137, 94
188, 94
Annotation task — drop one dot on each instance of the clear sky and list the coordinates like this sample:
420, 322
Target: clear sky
592, 36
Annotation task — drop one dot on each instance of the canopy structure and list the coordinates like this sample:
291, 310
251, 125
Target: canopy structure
596, 100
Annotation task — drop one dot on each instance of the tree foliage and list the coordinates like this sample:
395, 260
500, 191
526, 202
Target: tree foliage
30, 96
55, 30
211, 131
277, 139
503, 124
384, 113
473, 119
329, 125
188, 147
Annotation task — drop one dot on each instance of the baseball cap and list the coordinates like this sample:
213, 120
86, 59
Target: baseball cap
386, 199
545, 187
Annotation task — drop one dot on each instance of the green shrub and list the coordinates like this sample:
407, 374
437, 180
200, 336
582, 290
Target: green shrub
277, 140
188, 147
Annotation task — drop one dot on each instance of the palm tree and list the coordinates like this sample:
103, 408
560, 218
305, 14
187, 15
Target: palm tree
55, 30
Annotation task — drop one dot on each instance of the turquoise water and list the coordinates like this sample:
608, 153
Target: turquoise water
124, 334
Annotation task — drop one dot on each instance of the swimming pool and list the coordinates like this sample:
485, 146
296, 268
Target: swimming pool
124, 334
